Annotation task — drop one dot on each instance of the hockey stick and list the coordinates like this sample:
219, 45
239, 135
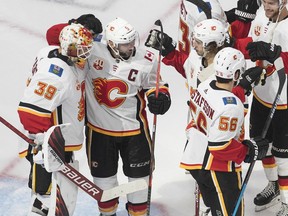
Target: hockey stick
197, 199
282, 78
82, 182
152, 160
203, 6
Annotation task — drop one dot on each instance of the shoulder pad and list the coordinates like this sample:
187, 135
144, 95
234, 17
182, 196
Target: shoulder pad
229, 100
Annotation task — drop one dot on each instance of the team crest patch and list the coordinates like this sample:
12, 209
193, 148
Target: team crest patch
229, 100
56, 70
149, 55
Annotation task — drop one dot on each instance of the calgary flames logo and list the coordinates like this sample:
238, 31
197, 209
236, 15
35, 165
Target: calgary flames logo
81, 103
111, 93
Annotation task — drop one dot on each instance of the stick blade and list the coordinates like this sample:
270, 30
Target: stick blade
124, 189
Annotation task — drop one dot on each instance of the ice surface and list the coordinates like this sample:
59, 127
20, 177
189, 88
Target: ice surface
22, 33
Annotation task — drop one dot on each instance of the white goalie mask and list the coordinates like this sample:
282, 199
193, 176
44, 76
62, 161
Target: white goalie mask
75, 36
227, 61
119, 33
210, 30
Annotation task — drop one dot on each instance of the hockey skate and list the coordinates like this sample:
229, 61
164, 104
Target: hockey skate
283, 211
204, 210
39, 208
268, 197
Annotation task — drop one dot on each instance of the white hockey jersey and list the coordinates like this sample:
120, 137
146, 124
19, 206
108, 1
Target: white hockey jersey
55, 95
218, 119
116, 90
190, 15
262, 29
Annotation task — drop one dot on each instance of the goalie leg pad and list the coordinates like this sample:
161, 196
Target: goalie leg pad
64, 193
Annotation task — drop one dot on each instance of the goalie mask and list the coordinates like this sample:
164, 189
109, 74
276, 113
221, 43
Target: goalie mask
76, 42
121, 38
227, 61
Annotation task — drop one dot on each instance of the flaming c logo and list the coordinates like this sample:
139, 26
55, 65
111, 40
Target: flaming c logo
111, 93
81, 103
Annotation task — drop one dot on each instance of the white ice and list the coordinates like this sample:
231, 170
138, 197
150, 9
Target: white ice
22, 33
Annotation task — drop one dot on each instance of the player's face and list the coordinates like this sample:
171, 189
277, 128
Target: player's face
271, 8
198, 46
126, 50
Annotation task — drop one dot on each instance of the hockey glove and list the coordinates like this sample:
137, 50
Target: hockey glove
38, 155
154, 39
257, 149
261, 50
229, 40
159, 105
250, 76
246, 10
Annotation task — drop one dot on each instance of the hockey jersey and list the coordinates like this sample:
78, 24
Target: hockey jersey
55, 94
190, 15
218, 118
116, 91
276, 33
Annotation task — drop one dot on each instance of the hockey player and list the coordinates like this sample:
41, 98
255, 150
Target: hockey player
218, 117
207, 39
55, 95
119, 78
193, 12
272, 31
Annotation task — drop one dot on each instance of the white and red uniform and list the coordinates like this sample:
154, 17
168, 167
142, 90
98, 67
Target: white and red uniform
275, 166
215, 152
116, 91
117, 121
54, 95
209, 109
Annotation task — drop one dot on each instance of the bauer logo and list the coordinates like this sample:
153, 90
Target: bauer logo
56, 70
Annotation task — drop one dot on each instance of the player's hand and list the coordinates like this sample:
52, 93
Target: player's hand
257, 149
250, 77
154, 40
159, 105
246, 10
261, 50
